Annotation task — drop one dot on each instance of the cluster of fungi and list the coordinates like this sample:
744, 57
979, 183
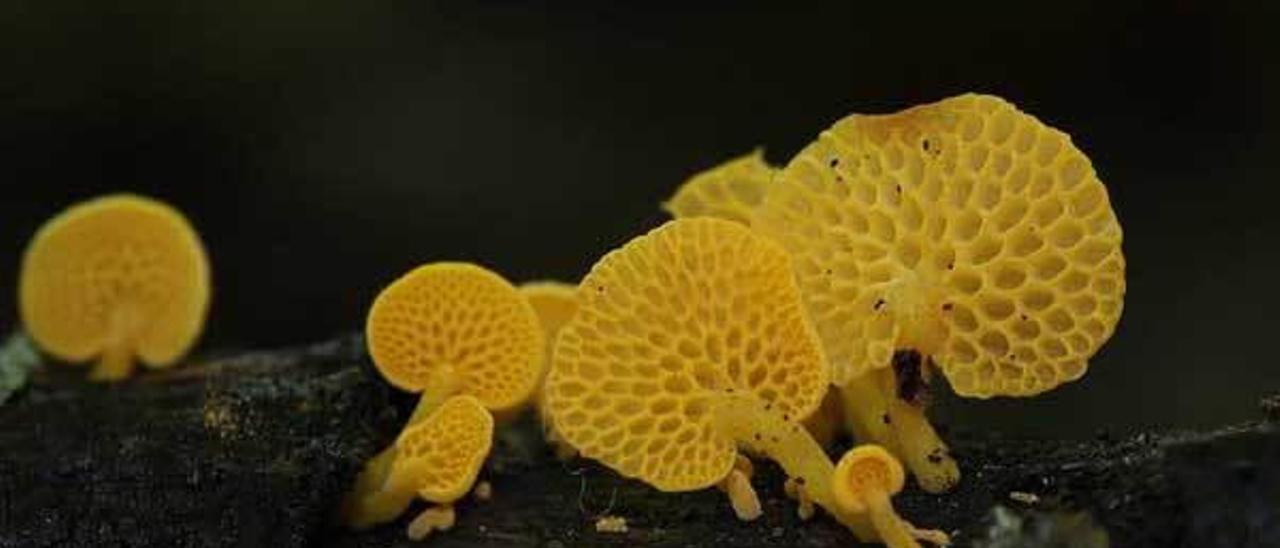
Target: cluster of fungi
962, 239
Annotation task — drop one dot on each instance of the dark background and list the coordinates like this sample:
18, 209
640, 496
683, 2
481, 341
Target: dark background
323, 149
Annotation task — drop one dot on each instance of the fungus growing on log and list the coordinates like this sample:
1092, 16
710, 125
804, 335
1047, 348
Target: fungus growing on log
865, 479
446, 330
437, 459
119, 278
963, 236
690, 341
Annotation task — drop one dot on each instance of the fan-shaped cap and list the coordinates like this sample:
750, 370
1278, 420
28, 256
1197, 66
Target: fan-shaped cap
731, 190
862, 469
120, 273
441, 456
964, 229
461, 321
669, 325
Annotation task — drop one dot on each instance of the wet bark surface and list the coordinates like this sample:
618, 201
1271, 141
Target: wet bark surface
256, 449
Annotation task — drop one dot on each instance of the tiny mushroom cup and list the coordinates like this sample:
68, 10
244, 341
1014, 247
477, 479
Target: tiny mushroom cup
120, 278
865, 479
445, 330
962, 236
691, 341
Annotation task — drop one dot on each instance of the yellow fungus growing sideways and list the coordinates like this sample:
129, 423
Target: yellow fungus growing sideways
865, 479
437, 459
117, 278
689, 341
963, 236
730, 191
449, 329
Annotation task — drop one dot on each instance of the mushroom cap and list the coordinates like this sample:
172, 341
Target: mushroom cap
554, 303
459, 320
119, 269
667, 326
964, 229
865, 467
441, 456
731, 190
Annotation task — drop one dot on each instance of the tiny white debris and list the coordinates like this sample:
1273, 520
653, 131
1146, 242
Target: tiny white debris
611, 524
483, 491
1024, 498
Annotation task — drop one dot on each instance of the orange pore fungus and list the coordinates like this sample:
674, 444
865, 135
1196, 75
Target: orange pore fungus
457, 328
690, 341
437, 459
964, 236
116, 278
731, 190
450, 331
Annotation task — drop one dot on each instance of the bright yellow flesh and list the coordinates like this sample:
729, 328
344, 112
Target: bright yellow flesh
121, 278
876, 415
667, 325
728, 191
862, 483
437, 459
460, 321
965, 230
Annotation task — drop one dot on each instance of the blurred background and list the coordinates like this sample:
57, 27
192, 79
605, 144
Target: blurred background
324, 148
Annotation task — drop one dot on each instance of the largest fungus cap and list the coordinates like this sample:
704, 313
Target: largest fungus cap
117, 278
673, 328
457, 328
964, 230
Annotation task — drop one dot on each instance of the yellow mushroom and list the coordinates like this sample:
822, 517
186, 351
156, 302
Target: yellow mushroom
117, 278
448, 329
554, 303
731, 190
963, 236
690, 341
436, 459
865, 479
456, 328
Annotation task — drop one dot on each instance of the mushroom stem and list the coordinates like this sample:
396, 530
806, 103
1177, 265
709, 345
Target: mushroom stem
436, 392
742, 496
115, 363
866, 410
894, 532
436, 518
877, 415
754, 424
371, 484
924, 453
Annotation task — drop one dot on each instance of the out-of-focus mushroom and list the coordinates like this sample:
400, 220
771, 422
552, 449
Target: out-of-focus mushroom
689, 341
555, 304
731, 190
117, 278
